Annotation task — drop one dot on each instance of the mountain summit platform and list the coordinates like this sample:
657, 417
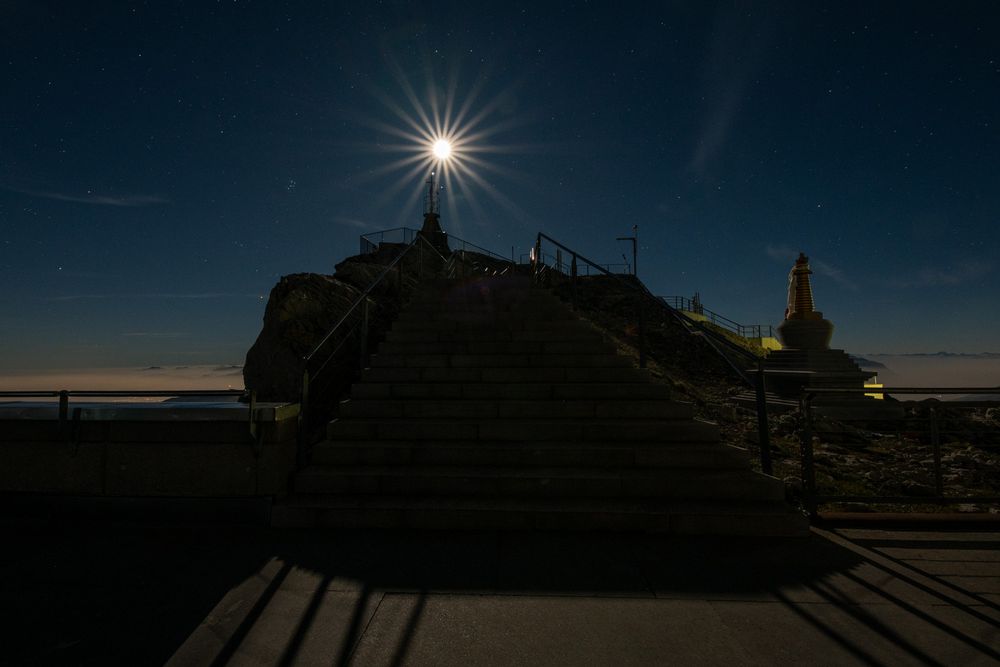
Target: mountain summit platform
142, 593
492, 405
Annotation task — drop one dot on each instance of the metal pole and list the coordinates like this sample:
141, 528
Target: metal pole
572, 270
364, 334
635, 250
936, 444
63, 412
763, 432
303, 422
642, 337
808, 472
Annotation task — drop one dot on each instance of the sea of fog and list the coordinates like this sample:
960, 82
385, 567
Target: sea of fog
900, 371
937, 370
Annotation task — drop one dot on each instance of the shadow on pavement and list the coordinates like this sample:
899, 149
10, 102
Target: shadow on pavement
104, 592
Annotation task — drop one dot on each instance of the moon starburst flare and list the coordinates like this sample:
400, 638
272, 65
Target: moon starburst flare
436, 132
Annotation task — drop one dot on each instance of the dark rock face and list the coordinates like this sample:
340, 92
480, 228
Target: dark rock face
301, 309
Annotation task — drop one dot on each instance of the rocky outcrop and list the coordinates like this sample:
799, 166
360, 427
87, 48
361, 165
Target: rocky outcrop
303, 307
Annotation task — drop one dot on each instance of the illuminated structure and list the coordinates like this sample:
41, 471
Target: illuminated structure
807, 360
804, 327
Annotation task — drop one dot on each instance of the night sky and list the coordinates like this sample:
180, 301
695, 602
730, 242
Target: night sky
163, 164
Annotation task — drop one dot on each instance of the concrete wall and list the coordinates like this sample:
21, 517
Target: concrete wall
158, 454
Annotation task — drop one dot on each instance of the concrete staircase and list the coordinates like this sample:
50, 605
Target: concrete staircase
490, 405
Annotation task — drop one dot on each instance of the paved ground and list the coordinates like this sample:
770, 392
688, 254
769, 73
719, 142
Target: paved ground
103, 593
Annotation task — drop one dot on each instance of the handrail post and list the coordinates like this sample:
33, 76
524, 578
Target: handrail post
63, 411
573, 272
364, 334
300, 454
808, 472
538, 254
642, 336
252, 411
763, 431
936, 445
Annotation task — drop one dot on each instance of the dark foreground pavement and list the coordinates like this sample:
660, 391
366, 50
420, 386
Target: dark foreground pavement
100, 593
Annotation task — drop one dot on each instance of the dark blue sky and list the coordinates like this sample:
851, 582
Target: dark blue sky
162, 164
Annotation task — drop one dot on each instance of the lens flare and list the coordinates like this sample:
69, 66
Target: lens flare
437, 130
442, 149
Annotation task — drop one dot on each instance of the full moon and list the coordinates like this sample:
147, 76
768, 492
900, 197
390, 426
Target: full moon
442, 149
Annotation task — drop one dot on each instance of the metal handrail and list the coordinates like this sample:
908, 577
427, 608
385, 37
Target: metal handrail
64, 395
412, 233
712, 337
367, 291
807, 459
538, 260
742, 330
368, 245
361, 301
117, 393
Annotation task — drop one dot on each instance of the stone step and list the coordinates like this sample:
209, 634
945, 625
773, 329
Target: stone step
488, 347
507, 391
528, 453
550, 359
506, 409
429, 336
674, 517
590, 430
561, 482
505, 375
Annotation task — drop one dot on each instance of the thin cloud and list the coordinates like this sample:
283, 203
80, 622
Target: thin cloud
126, 201
781, 252
154, 334
937, 277
353, 222
739, 41
785, 253
198, 295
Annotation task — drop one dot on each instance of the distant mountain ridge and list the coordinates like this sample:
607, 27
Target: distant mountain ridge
967, 355
866, 363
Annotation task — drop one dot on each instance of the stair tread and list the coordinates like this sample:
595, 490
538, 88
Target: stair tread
540, 444
561, 472
567, 505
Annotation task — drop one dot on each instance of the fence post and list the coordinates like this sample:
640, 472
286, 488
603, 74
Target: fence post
936, 445
642, 336
763, 432
538, 255
300, 454
63, 412
573, 270
364, 334
808, 472
253, 409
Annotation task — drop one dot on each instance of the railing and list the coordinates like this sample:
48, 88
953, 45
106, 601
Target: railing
65, 394
405, 235
716, 340
317, 360
557, 263
742, 330
400, 235
933, 410
539, 267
